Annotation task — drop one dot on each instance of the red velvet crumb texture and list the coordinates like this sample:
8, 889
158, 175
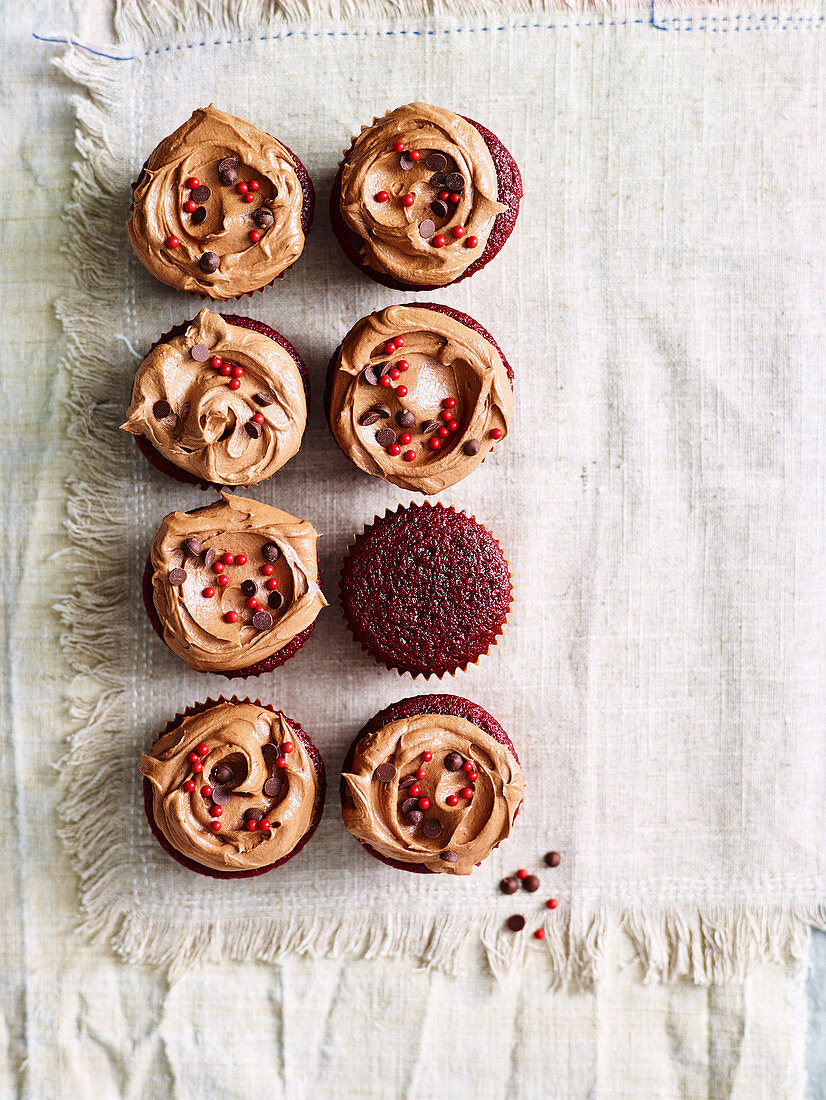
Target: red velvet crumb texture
312, 752
159, 461
509, 192
407, 708
425, 589
275, 660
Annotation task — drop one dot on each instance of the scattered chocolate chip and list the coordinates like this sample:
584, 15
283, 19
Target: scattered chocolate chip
552, 859
405, 419
436, 162
429, 426
271, 552
454, 761
262, 620
252, 430
438, 179
382, 410
405, 163
385, 773
222, 774
515, 923
439, 208
454, 181
414, 816
194, 546
209, 557
530, 883
200, 353
249, 587
177, 577
253, 815
369, 418
270, 753
272, 788
472, 447
385, 368
263, 399
409, 804
370, 375
228, 171
200, 194
509, 885
385, 437
427, 228
209, 262
448, 857
220, 795
275, 600
432, 828
264, 218
408, 781
199, 216
161, 409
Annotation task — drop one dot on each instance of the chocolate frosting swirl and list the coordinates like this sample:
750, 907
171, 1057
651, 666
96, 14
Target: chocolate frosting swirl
237, 736
372, 807
194, 626
392, 232
188, 412
446, 360
196, 149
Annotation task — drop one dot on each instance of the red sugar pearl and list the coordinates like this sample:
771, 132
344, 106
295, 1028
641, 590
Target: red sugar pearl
208, 593
449, 402
198, 768
225, 369
385, 382
281, 762
408, 199
496, 433
252, 826
194, 758
228, 559
264, 825
215, 826
258, 418
394, 449
218, 567
172, 242
190, 785
203, 750
254, 236
237, 372
471, 242
408, 456
389, 347
467, 766
434, 444
415, 790
415, 154
222, 582
539, 934
457, 231
231, 616
439, 241
288, 746
446, 414
272, 584
241, 559
453, 425
421, 773
521, 873
190, 206
444, 195
467, 792
452, 800
401, 391
234, 383
192, 182
395, 373
424, 803
242, 188
472, 776
551, 903
216, 361
382, 196
255, 185
427, 756
403, 365
206, 790
399, 146
405, 437
252, 603
249, 198
443, 432
268, 569
399, 341
454, 198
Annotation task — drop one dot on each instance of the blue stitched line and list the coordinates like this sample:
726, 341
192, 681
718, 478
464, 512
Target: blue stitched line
67, 40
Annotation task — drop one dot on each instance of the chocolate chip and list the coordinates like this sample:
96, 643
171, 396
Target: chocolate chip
385, 773
194, 546
209, 557
454, 181
199, 353
263, 399
515, 923
552, 859
414, 816
222, 774
438, 179
385, 437
405, 163
454, 761
427, 228
448, 857
429, 426
271, 552
272, 788
199, 215
432, 828
200, 194
253, 815
161, 409
370, 375
408, 781
405, 419
439, 208
220, 795
249, 587
369, 418
264, 218
275, 600
209, 262
228, 171
270, 753
176, 577
530, 883
409, 804
436, 162
509, 885
385, 368
252, 430
382, 410
472, 447
262, 620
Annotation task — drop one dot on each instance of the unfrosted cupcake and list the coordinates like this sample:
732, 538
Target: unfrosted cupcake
220, 401
431, 784
419, 395
232, 788
220, 208
424, 197
233, 587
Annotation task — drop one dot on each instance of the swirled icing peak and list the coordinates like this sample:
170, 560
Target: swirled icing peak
243, 742
448, 403
394, 202
193, 224
270, 557
222, 429
454, 832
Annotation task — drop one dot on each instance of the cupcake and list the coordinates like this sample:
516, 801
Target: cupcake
418, 395
232, 788
425, 590
431, 784
220, 208
221, 401
424, 198
233, 587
